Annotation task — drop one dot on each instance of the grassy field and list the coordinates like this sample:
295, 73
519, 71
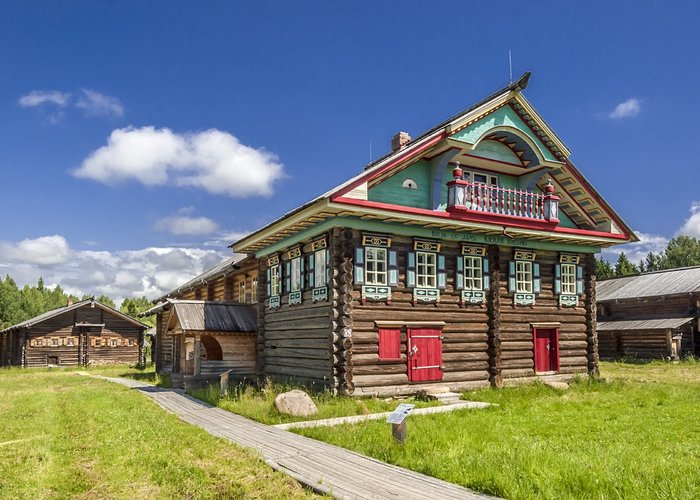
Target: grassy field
67, 436
636, 434
259, 403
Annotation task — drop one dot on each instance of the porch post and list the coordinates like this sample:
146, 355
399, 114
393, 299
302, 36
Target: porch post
197, 356
591, 315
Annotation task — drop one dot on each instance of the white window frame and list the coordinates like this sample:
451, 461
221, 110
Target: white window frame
491, 180
568, 279
426, 270
523, 276
295, 281
320, 268
275, 280
376, 266
473, 272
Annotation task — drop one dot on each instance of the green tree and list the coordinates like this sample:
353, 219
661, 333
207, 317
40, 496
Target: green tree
603, 269
624, 267
134, 306
103, 299
681, 251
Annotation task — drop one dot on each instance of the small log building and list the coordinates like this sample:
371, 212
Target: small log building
463, 258
81, 334
653, 315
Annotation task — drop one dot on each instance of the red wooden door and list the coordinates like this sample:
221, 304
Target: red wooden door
546, 350
424, 355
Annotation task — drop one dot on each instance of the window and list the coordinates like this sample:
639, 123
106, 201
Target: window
410, 184
568, 279
296, 275
275, 281
523, 276
131, 342
71, 342
241, 291
254, 292
473, 273
320, 276
114, 342
54, 342
97, 342
375, 267
479, 178
426, 270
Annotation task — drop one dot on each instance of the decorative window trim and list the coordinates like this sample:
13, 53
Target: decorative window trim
294, 276
524, 297
319, 275
472, 295
426, 294
376, 291
274, 281
568, 297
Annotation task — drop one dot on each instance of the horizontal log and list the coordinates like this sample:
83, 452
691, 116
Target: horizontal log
370, 359
320, 310
298, 343
321, 334
465, 376
464, 356
379, 380
574, 361
319, 364
378, 369
516, 354
299, 353
517, 363
299, 324
459, 366
517, 373
297, 371
448, 346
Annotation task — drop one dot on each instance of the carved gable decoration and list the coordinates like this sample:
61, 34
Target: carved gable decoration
376, 240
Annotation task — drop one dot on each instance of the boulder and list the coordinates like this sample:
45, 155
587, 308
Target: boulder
296, 403
560, 386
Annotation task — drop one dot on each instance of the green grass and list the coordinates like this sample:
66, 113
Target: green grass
634, 435
259, 403
67, 436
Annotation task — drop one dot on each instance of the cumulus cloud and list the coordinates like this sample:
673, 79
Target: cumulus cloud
95, 104
40, 97
152, 271
212, 160
691, 226
224, 238
627, 109
185, 224
42, 251
637, 251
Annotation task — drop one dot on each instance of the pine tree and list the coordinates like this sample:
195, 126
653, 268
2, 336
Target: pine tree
624, 267
603, 269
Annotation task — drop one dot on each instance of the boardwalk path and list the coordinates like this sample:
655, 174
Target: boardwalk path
323, 467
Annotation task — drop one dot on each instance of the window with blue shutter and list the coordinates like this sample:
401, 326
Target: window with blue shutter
312, 271
441, 272
359, 266
524, 280
393, 268
568, 281
411, 270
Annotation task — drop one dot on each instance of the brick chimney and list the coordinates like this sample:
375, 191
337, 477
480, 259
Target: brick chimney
400, 141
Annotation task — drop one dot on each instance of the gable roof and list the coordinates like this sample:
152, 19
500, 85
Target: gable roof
342, 200
210, 274
62, 310
654, 284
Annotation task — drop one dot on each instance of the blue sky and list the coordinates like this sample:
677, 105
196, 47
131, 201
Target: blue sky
124, 124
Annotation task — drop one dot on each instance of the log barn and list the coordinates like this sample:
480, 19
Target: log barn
653, 315
462, 258
81, 334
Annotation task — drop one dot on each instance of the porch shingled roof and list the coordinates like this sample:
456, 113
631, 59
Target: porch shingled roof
203, 315
643, 324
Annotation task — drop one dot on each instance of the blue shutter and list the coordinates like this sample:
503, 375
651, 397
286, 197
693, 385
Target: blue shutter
579, 280
269, 285
288, 276
393, 268
411, 270
441, 272
557, 279
301, 272
485, 276
536, 280
359, 266
328, 266
511, 277
312, 276
459, 274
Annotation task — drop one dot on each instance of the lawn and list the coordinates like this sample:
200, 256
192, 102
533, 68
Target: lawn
259, 403
67, 436
635, 434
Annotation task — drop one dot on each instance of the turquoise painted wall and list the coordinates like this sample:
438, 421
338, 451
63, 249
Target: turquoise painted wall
495, 150
391, 190
504, 116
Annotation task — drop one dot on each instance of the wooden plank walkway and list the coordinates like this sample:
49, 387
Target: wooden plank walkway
325, 468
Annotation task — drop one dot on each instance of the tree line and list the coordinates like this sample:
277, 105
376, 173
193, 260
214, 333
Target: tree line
20, 304
681, 251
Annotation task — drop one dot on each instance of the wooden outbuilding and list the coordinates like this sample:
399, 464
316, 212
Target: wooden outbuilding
653, 315
81, 334
463, 258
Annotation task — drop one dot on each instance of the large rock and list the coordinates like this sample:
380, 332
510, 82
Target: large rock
296, 403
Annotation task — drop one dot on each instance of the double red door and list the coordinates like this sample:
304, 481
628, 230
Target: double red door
424, 355
546, 350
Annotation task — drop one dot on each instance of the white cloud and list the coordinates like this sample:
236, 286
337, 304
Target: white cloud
42, 251
691, 226
39, 97
151, 271
212, 160
627, 109
636, 252
95, 104
183, 224
224, 239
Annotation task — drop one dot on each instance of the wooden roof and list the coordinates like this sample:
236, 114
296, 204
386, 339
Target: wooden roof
655, 284
61, 310
212, 316
643, 324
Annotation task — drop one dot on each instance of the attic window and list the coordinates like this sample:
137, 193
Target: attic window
410, 184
